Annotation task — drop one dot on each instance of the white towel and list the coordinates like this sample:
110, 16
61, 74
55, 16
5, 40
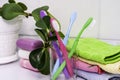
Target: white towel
23, 54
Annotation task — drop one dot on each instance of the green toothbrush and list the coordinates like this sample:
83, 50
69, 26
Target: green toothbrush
89, 22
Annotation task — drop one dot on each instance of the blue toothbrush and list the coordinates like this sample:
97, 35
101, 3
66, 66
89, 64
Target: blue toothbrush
72, 19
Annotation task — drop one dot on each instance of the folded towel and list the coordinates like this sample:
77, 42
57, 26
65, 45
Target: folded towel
29, 44
94, 76
78, 64
96, 50
114, 78
111, 68
23, 54
26, 64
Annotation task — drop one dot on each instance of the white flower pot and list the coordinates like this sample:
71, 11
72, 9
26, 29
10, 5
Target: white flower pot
8, 36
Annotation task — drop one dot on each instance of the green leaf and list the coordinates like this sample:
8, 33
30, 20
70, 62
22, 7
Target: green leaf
52, 38
41, 24
0, 11
10, 11
35, 57
36, 12
46, 58
24, 7
40, 59
47, 21
11, 1
42, 33
61, 34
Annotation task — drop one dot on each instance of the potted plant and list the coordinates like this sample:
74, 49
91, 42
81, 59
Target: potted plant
10, 20
10, 17
40, 58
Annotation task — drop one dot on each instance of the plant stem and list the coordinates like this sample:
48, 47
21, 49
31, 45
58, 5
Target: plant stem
0, 11
27, 14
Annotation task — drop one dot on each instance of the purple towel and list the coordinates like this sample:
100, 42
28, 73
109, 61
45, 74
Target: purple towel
29, 44
93, 76
115, 78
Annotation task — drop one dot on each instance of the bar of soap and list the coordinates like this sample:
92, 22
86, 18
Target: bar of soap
26, 64
29, 44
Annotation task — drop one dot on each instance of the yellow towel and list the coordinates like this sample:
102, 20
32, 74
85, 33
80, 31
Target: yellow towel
111, 68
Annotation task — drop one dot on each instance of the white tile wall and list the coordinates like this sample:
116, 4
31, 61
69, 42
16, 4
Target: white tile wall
110, 19
105, 12
28, 26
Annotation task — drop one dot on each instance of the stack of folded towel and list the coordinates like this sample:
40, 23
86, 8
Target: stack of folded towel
26, 45
83, 75
92, 55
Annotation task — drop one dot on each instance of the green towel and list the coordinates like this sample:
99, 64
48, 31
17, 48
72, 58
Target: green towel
96, 50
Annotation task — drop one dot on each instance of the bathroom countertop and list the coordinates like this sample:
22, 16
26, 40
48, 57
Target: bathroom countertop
13, 71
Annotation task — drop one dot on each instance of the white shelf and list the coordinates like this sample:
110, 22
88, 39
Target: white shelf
13, 71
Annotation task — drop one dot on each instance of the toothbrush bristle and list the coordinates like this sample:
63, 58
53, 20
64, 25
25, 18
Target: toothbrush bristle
92, 23
42, 13
55, 24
